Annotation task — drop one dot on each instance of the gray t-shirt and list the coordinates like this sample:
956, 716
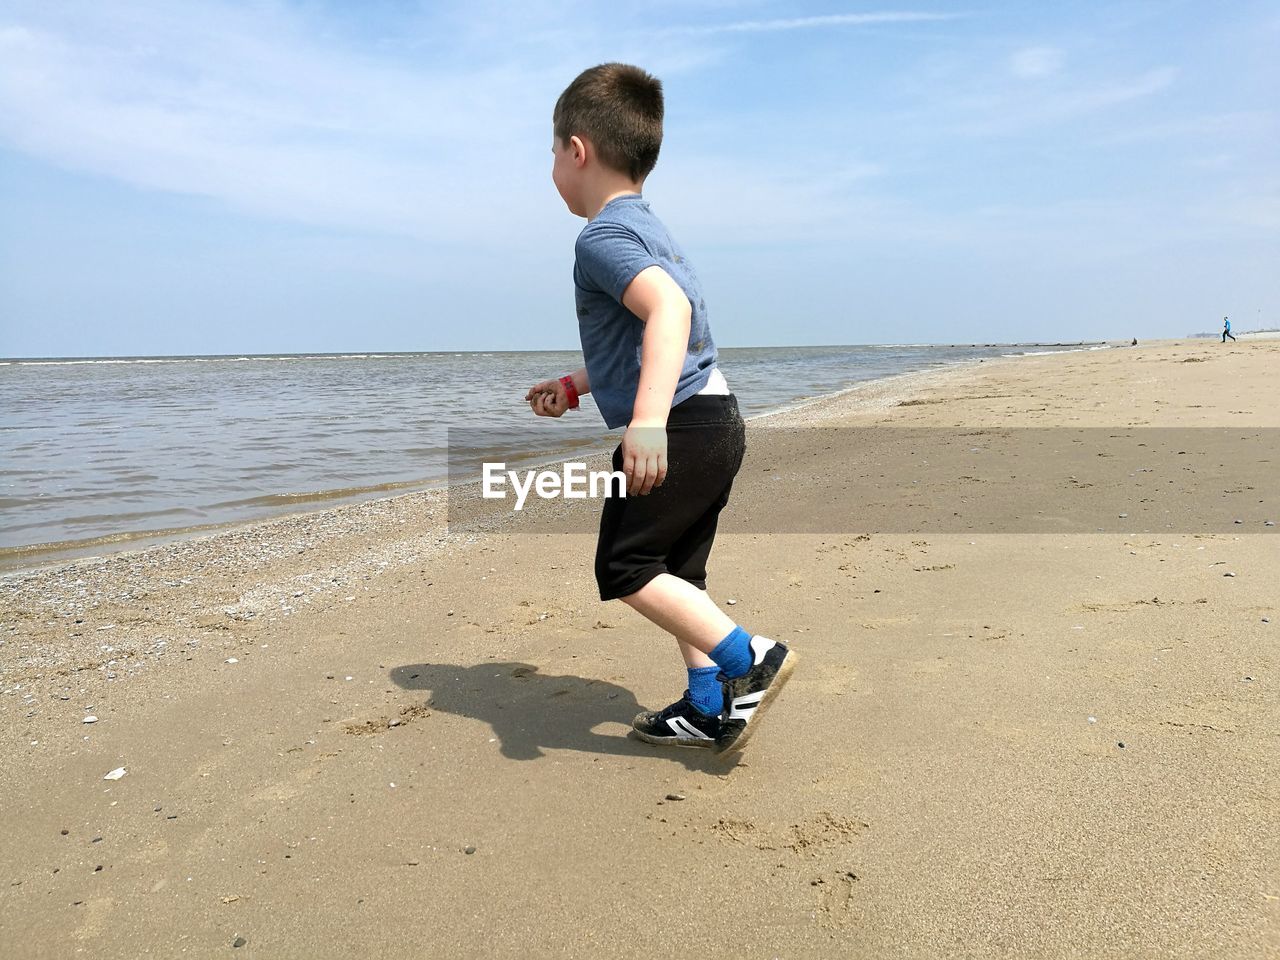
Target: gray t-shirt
623, 239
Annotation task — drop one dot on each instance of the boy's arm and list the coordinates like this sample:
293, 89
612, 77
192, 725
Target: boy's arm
665, 310
662, 305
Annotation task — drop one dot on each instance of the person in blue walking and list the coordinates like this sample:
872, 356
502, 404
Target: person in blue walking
1226, 330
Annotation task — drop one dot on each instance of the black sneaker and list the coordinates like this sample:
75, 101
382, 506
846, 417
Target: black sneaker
747, 697
681, 724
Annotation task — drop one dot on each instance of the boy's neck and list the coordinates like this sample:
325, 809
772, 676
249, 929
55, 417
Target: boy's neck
608, 190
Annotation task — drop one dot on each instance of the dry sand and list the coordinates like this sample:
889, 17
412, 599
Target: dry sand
999, 744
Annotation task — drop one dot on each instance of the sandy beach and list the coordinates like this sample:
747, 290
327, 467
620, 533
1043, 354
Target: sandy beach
360, 732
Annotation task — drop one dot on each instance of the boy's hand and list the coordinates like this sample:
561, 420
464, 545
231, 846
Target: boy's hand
644, 457
548, 398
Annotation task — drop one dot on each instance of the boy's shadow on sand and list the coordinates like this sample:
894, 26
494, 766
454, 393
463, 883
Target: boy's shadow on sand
529, 711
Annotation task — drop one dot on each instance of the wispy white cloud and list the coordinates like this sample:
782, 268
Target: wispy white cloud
255, 107
443, 130
998, 109
243, 106
811, 23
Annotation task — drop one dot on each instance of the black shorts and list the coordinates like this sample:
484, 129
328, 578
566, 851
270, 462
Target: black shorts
670, 530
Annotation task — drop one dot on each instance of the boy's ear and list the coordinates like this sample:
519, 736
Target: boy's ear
578, 147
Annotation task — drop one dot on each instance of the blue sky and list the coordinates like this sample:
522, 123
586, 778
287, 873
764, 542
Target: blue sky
328, 176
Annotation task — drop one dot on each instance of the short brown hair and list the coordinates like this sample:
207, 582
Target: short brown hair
618, 108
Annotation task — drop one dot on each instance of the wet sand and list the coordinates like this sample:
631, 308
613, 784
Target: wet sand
945, 775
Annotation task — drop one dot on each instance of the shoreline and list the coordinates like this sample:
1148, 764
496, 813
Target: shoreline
39, 556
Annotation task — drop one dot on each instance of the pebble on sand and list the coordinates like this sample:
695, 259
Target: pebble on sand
468, 849
90, 719
115, 774
675, 796
231, 660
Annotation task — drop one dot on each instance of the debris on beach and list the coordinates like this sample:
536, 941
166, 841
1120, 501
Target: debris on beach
468, 849
675, 796
115, 774
90, 719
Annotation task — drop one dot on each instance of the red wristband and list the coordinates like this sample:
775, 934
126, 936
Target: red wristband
570, 391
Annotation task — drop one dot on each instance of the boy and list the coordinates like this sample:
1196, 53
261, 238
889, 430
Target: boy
651, 364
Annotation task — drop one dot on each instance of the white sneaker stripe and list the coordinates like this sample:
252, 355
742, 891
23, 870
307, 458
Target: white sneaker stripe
683, 728
741, 708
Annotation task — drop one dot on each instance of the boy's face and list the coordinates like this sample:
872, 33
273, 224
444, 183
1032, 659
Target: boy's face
567, 172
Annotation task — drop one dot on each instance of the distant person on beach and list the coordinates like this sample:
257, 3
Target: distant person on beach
1226, 330
651, 366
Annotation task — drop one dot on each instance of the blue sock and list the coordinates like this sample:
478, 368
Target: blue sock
704, 690
733, 654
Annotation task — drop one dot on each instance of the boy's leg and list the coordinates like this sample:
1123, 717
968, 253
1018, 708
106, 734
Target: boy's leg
755, 667
652, 554
682, 610
693, 658
687, 561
